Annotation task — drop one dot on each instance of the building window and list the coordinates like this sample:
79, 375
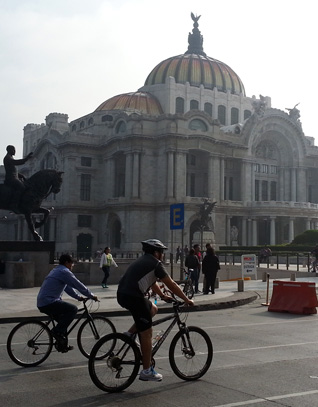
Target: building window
264, 168
191, 159
208, 108
194, 105
273, 191
247, 114
257, 168
107, 118
234, 115
84, 221
74, 127
86, 161
85, 189
191, 186
90, 121
273, 169
82, 124
179, 105
120, 171
264, 190
256, 190
197, 124
221, 114
121, 127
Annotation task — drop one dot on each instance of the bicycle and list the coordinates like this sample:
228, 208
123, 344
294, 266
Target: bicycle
31, 342
151, 294
115, 359
187, 284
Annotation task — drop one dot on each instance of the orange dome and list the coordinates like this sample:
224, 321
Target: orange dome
138, 102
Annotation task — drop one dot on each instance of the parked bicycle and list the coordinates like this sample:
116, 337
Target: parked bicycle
31, 342
187, 284
115, 359
151, 294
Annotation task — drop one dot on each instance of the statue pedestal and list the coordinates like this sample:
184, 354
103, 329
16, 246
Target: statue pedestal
208, 237
26, 263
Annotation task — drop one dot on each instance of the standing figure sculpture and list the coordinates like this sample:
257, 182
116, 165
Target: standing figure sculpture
13, 178
25, 196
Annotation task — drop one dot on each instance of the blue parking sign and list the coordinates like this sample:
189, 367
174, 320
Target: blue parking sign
176, 216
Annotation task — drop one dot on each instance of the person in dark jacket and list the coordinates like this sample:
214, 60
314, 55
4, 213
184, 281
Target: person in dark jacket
192, 263
210, 267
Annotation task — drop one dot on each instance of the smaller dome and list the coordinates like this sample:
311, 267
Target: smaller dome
137, 102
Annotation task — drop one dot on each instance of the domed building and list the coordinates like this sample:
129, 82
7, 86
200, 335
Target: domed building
188, 136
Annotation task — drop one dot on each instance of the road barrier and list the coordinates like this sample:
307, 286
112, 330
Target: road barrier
294, 297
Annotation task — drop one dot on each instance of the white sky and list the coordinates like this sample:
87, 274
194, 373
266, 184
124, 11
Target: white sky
69, 56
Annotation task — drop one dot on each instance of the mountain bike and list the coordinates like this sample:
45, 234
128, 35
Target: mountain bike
115, 359
187, 284
31, 342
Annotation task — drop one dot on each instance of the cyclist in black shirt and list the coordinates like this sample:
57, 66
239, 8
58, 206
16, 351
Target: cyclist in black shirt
139, 277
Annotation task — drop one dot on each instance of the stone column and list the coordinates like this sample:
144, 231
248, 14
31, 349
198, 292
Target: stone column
128, 175
110, 171
293, 185
180, 171
301, 185
135, 176
272, 230
244, 231
228, 230
281, 185
170, 174
249, 232
254, 232
291, 230
210, 177
216, 193
222, 179
308, 224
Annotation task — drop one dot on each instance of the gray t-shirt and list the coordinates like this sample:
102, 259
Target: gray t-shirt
141, 275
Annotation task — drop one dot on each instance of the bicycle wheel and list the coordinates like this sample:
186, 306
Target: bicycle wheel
188, 289
91, 331
29, 343
190, 353
120, 365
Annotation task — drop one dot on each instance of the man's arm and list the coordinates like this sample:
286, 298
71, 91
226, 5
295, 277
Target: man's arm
173, 286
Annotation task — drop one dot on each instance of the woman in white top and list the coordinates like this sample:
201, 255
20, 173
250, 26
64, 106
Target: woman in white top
105, 262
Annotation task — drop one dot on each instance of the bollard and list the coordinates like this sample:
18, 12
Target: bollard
264, 277
267, 291
217, 283
240, 286
293, 277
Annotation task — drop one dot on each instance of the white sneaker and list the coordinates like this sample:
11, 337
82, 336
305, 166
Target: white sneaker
150, 375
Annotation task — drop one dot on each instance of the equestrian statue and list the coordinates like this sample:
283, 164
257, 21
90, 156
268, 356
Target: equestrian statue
25, 196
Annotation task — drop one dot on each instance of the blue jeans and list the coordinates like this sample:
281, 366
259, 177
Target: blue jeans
62, 312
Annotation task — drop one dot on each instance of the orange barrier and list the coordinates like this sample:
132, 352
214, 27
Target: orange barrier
294, 297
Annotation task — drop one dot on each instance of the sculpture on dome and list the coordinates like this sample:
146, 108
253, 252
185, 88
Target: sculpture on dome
259, 106
28, 199
294, 113
195, 39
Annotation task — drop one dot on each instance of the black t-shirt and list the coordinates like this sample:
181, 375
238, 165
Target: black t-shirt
141, 275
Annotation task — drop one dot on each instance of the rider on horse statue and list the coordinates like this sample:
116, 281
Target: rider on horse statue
13, 178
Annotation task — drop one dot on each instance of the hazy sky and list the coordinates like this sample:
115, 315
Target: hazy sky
69, 56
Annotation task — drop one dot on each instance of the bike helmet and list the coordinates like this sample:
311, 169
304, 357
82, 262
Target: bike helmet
153, 245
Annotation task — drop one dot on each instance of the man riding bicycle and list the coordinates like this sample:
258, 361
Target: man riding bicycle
139, 277
49, 300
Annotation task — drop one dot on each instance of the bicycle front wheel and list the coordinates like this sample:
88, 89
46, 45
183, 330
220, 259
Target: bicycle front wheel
190, 353
91, 331
119, 366
29, 343
188, 289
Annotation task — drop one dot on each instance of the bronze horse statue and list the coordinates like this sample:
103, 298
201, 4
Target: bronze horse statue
37, 188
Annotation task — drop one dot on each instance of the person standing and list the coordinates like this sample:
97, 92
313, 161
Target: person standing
210, 267
106, 262
197, 252
192, 263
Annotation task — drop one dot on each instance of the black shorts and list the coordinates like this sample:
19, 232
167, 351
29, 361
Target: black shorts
140, 309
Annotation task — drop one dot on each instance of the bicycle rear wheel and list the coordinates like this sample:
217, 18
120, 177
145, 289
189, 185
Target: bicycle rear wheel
29, 343
190, 353
120, 365
91, 331
188, 289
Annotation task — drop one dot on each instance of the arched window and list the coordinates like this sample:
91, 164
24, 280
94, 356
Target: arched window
194, 105
247, 114
82, 124
48, 162
179, 105
208, 108
221, 114
90, 121
107, 118
234, 115
198, 124
74, 127
120, 127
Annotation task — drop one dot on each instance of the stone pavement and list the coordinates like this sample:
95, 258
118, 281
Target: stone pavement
19, 304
